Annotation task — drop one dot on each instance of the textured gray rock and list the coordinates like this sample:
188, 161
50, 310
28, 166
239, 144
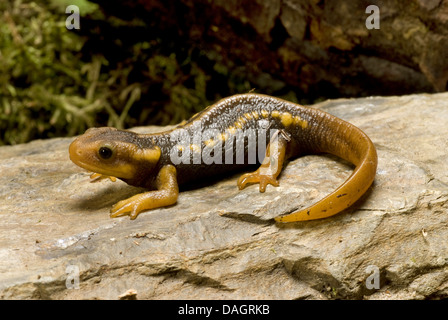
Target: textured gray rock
219, 242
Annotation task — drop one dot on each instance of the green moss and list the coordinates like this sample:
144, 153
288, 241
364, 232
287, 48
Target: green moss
39, 74
49, 87
111, 72
85, 7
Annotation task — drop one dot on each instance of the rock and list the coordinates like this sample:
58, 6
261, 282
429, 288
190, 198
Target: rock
58, 242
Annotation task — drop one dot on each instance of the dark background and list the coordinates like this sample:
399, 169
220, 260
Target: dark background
156, 62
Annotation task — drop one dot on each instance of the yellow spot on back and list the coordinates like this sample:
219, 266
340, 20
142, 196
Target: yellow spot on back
242, 120
275, 114
255, 114
232, 130
248, 115
300, 122
240, 123
286, 119
265, 113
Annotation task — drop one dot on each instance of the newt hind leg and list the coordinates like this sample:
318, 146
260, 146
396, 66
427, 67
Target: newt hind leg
271, 166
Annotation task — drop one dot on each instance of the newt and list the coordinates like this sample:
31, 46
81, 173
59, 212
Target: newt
232, 134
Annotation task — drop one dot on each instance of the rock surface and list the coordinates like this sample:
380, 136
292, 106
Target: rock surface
218, 242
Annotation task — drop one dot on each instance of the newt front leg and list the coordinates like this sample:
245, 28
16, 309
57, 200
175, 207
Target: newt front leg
165, 195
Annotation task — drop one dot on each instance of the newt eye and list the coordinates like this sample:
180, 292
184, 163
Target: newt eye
105, 152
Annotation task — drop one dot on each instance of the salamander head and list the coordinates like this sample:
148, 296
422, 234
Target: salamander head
113, 152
